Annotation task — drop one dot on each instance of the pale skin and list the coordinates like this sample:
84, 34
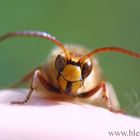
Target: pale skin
41, 118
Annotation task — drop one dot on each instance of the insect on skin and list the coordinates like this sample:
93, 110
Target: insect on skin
71, 71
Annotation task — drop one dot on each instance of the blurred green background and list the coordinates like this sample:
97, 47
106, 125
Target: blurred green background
92, 23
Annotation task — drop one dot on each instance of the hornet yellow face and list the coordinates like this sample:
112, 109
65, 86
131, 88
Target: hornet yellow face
71, 73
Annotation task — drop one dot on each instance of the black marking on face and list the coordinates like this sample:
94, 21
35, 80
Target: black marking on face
73, 63
68, 88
